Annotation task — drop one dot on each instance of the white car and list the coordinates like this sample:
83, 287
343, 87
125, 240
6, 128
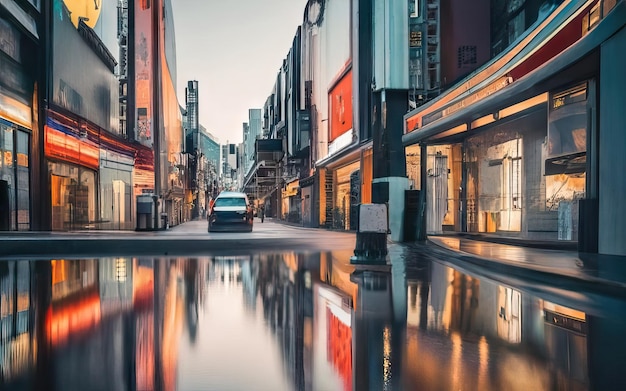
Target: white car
231, 211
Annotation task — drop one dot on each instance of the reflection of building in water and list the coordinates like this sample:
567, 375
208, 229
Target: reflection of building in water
17, 337
566, 344
116, 285
332, 354
173, 316
509, 314
75, 305
158, 322
284, 286
249, 279
467, 317
143, 302
227, 269
335, 270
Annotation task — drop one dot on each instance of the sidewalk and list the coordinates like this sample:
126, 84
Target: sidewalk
556, 261
608, 273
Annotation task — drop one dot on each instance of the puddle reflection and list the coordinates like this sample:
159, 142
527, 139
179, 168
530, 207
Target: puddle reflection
292, 322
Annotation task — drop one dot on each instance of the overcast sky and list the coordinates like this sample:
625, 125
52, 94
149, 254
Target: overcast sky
234, 49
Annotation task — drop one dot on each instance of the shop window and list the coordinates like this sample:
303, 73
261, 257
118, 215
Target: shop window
23, 182
437, 191
500, 179
414, 8
413, 166
567, 132
73, 196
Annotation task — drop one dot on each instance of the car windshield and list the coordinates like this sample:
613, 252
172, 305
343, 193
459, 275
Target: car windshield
236, 201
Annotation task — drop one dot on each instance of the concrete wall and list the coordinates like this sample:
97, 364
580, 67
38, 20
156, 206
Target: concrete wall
612, 159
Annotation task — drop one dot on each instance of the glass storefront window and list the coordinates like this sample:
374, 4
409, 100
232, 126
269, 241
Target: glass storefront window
73, 196
347, 194
115, 199
8, 172
438, 191
23, 183
86, 204
14, 174
413, 166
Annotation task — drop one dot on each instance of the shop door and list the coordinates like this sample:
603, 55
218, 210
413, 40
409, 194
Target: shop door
119, 204
61, 202
437, 187
355, 198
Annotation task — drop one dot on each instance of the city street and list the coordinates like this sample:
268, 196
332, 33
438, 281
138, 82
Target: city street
190, 238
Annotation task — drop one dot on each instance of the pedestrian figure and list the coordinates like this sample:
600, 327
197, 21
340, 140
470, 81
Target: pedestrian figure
262, 212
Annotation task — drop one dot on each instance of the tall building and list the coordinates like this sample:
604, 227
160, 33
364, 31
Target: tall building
88, 181
155, 111
252, 130
247, 152
211, 151
230, 165
192, 130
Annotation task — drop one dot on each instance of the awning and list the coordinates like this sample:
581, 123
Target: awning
573, 62
346, 155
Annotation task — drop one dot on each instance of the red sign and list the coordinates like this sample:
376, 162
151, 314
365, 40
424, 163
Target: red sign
340, 107
340, 348
71, 149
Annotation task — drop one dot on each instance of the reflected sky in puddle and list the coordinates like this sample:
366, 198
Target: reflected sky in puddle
294, 322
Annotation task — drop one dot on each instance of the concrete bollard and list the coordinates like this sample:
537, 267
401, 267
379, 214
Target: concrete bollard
371, 236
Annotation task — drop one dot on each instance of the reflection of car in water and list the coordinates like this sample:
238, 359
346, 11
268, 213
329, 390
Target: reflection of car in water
231, 211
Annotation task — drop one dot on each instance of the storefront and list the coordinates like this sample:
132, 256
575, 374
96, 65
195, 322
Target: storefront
345, 181
73, 160
18, 48
292, 202
516, 153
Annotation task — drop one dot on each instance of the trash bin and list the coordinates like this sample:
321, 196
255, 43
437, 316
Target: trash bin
145, 212
164, 222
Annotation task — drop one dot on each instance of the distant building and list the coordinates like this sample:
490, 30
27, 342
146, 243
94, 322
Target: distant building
210, 147
252, 130
247, 152
230, 166
192, 119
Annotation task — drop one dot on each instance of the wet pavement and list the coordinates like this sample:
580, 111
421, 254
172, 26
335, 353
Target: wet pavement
190, 238
301, 321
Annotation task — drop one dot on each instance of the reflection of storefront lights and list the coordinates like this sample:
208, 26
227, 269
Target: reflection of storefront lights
307, 280
386, 358
120, 269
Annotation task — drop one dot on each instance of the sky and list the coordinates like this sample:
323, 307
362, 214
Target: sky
234, 48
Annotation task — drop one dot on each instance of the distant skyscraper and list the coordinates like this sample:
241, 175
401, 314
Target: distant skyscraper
191, 100
210, 147
252, 130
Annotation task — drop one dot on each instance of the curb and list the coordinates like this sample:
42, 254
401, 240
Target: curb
529, 272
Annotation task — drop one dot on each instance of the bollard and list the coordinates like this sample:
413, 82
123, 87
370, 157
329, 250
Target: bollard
371, 236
